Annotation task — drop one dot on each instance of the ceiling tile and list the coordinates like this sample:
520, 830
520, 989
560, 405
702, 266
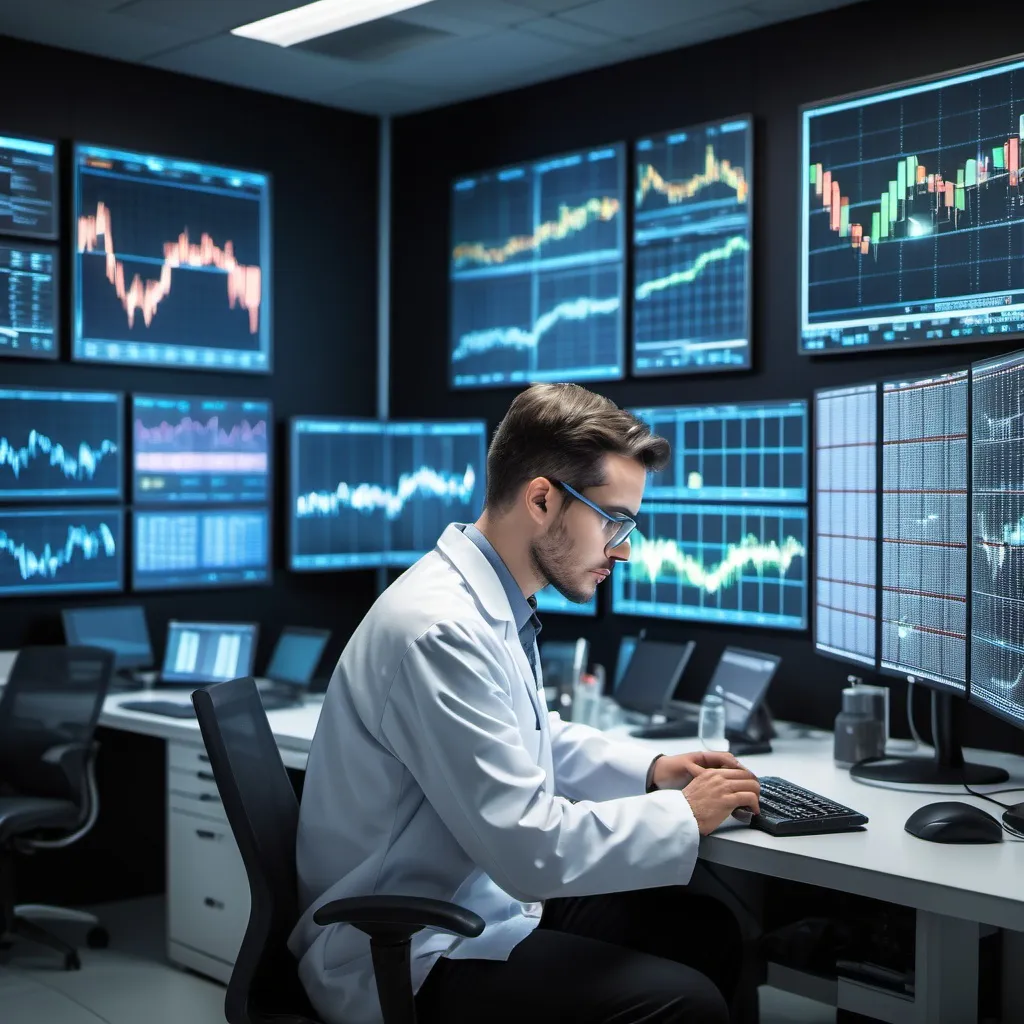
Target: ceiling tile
629, 18
204, 17
67, 24
576, 35
700, 30
254, 65
441, 21
487, 12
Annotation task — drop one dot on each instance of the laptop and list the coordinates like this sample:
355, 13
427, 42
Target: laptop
292, 666
121, 629
199, 654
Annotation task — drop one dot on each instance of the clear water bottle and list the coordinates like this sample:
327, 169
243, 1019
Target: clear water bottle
586, 700
711, 725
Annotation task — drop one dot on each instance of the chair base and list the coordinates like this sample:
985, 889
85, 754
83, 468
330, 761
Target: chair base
22, 928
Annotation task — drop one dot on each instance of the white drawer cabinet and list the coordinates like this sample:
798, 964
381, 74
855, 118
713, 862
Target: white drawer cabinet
207, 888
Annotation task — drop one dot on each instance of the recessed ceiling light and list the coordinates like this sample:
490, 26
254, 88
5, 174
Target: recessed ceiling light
320, 19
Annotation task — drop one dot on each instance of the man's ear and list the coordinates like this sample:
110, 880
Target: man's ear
538, 491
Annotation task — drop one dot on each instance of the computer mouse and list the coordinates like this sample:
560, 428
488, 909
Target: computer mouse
951, 821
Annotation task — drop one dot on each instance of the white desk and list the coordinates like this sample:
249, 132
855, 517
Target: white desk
954, 889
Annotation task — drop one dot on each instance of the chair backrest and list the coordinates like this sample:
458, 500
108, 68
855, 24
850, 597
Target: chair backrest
263, 812
48, 714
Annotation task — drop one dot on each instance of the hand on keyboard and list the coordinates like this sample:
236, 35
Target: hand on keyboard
716, 793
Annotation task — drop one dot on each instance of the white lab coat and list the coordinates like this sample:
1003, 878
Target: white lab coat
437, 771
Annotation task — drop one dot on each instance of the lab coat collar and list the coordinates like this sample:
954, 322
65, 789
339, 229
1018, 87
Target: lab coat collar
473, 566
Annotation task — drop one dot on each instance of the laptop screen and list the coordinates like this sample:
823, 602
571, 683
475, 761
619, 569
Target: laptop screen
208, 652
297, 655
741, 679
121, 629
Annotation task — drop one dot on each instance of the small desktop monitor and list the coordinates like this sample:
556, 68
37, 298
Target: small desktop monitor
199, 653
741, 679
297, 655
653, 673
118, 628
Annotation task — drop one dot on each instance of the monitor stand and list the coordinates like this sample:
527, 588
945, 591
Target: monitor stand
947, 766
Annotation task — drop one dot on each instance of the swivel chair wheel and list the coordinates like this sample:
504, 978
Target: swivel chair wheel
71, 962
97, 938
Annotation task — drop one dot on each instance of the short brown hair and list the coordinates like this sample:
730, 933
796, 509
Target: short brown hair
563, 432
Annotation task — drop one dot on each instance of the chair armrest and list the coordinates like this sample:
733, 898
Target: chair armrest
408, 913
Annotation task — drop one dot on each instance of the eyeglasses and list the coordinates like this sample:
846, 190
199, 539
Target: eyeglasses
617, 525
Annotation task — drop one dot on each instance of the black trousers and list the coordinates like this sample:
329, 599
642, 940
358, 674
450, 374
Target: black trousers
653, 956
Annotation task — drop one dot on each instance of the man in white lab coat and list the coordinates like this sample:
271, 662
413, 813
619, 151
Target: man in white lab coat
436, 770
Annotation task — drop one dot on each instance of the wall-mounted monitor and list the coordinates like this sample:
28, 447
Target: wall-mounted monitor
536, 271
910, 219
550, 600
60, 445
185, 549
61, 551
171, 263
691, 249
743, 452
29, 300
196, 450
28, 187
370, 493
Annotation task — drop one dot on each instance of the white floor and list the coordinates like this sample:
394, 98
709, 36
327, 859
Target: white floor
132, 982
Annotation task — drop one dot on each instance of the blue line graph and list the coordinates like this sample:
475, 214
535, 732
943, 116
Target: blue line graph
60, 444
60, 550
424, 482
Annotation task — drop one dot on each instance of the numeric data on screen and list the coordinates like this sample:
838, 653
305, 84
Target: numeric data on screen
846, 531
29, 307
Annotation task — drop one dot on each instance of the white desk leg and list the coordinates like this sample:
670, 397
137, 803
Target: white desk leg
946, 976
1013, 960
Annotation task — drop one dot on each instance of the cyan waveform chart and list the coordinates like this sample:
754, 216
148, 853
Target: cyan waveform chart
198, 450
912, 221
64, 445
436, 471
61, 551
550, 600
536, 271
997, 568
925, 529
171, 263
692, 249
737, 564
28, 187
846, 523
188, 549
741, 452
370, 493
29, 304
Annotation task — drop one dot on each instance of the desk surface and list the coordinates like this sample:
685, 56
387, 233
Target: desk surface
982, 883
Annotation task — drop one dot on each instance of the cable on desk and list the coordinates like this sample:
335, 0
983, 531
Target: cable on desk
918, 742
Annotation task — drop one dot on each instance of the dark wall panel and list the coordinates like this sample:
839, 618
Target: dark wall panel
768, 73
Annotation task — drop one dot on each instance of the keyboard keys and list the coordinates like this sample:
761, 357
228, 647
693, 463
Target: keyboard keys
789, 810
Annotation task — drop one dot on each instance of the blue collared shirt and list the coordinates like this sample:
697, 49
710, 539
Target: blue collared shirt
524, 610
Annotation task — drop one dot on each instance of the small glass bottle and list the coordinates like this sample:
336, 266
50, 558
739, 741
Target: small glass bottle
711, 725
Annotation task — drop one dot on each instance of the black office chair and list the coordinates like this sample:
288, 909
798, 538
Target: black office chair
263, 813
48, 796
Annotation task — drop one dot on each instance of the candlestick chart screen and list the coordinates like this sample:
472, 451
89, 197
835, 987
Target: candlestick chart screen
370, 493
60, 445
912, 215
197, 450
536, 271
692, 241
171, 263
997, 600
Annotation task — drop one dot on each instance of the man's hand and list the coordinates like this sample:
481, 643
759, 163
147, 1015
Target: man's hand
677, 771
714, 783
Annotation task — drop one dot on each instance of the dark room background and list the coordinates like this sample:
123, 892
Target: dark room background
768, 73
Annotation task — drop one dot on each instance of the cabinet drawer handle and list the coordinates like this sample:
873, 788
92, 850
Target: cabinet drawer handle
204, 833
205, 758
209, 797
211, 902
205, 776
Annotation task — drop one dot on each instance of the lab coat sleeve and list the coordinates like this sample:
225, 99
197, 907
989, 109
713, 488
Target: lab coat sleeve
591, 766
449, 719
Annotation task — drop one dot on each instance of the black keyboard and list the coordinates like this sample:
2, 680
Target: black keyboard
168, 708
788, 810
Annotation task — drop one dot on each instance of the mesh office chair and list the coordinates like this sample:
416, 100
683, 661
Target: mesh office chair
263, 812
48, 796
